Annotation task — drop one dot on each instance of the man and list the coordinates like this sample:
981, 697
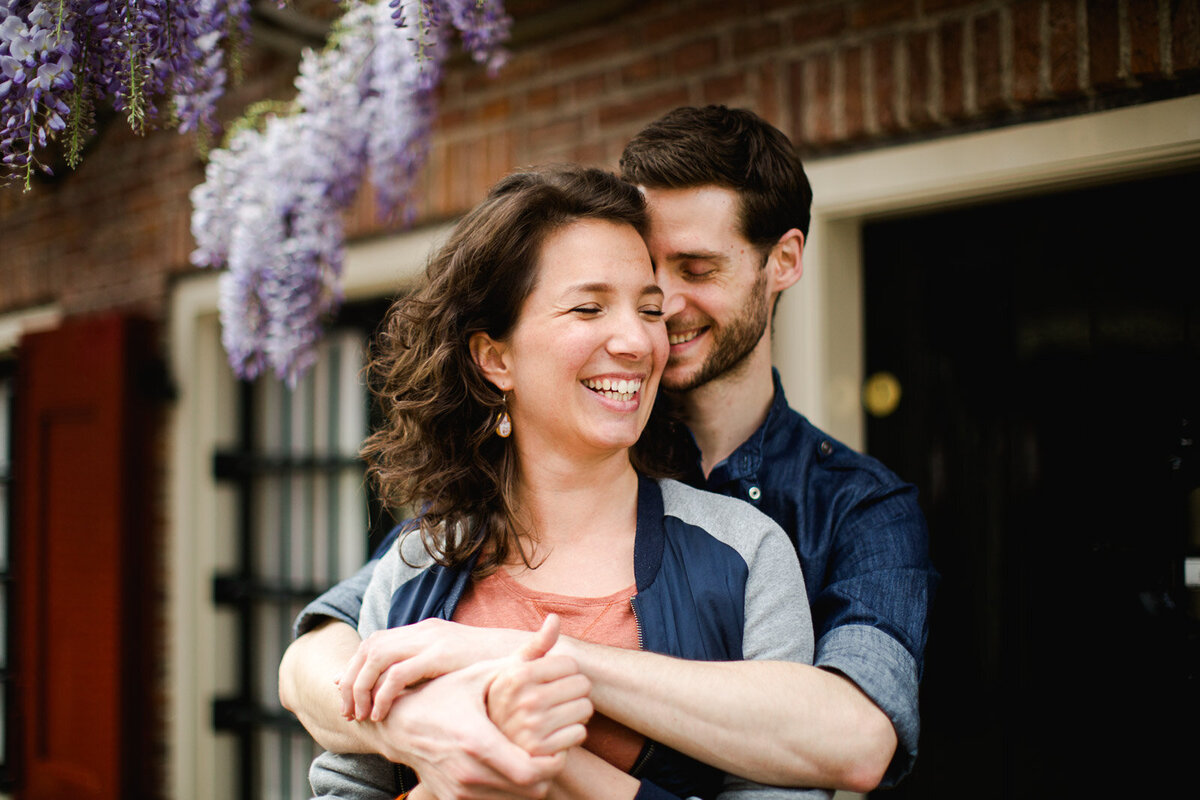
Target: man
729, 209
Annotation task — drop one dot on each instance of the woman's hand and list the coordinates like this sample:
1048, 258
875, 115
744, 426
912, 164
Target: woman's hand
540, 702
390, 661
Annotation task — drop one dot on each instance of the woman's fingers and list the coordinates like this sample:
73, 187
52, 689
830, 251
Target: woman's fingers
542, 641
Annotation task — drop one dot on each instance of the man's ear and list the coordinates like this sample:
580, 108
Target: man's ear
489, 357
787, 260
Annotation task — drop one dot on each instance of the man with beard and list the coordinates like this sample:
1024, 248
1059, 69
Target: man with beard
729, 203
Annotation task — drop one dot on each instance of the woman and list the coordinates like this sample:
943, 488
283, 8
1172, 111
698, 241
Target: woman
519, 383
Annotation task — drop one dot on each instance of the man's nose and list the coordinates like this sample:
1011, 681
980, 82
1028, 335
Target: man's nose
673, 301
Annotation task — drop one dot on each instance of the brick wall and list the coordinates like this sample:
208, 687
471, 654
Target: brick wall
833, 74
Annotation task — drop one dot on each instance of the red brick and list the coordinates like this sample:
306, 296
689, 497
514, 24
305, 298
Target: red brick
553, 134
989, 83
592, 154
767, 101
459, 168
726, 89
610, 41
801, 101
822, 23
950, 38
690, 19
438, 168
543, 97
916, 48
879, 13
645, 108
588, 87
641, 71
753, 39
501, 156
852, 94
1185, 36
474, 78
936, 6
1104, 59
1027, 50
1144, 58
884, 71
1064, 44
498, 109
822, 110
694, 55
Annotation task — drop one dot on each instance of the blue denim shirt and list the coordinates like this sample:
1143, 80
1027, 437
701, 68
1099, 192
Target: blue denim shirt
864, 549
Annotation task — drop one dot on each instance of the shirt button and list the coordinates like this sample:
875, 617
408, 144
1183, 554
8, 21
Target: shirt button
754, 493
826, 448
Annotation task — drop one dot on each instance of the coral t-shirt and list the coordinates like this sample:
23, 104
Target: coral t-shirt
498, 601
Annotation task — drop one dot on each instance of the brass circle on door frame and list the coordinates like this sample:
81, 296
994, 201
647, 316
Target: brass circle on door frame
881, 394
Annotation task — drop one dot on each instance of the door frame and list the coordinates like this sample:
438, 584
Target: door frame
819, 341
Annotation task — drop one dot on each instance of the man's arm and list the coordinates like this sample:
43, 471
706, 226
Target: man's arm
771, 721
308, 687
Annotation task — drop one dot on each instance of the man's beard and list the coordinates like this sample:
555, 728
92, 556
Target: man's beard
731, 344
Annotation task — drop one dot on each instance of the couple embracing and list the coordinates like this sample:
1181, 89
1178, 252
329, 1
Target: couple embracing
635, 571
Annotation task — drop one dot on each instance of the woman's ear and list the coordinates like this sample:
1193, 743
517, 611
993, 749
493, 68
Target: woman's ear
489, 357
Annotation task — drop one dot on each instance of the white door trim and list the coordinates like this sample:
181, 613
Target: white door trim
819, 330
200, 519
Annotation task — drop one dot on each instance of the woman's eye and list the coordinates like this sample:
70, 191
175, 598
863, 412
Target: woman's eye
586, 310
653, 311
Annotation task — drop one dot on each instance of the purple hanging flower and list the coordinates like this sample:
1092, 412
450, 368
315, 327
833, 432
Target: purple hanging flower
271, 206
58, 60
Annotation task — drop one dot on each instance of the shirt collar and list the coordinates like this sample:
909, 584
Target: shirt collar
746, 460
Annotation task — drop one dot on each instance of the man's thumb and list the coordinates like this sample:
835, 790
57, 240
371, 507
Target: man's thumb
542, 641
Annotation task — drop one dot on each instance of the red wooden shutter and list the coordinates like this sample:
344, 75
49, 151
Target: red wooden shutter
81, 537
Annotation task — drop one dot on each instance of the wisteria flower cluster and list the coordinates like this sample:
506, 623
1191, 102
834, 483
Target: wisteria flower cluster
270, 208
60, 59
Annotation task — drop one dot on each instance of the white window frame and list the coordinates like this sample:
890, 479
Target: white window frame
201, 529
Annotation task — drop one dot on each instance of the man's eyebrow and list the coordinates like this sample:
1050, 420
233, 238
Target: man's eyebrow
697, 255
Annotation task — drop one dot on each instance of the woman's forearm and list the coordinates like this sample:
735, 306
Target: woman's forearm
586, 776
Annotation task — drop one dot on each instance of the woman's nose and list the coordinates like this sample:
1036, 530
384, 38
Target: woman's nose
632, 337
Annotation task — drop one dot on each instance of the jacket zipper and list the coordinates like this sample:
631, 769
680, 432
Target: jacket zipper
649, 749
637, 623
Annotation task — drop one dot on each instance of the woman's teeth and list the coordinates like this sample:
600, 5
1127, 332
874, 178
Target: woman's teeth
614, 389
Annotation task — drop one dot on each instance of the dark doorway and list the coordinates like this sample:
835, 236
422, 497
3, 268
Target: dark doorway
1048, 354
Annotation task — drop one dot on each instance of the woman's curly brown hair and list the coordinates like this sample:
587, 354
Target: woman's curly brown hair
437, 451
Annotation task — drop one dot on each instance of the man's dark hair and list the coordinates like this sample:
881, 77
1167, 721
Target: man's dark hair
733, 148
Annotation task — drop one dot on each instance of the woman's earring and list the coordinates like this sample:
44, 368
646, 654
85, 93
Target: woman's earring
503, 422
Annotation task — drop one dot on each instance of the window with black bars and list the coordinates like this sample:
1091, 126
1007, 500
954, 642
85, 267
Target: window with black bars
305, 520
7, 722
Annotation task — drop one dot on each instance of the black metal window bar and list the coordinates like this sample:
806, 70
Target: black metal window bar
303, 516
7, 755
